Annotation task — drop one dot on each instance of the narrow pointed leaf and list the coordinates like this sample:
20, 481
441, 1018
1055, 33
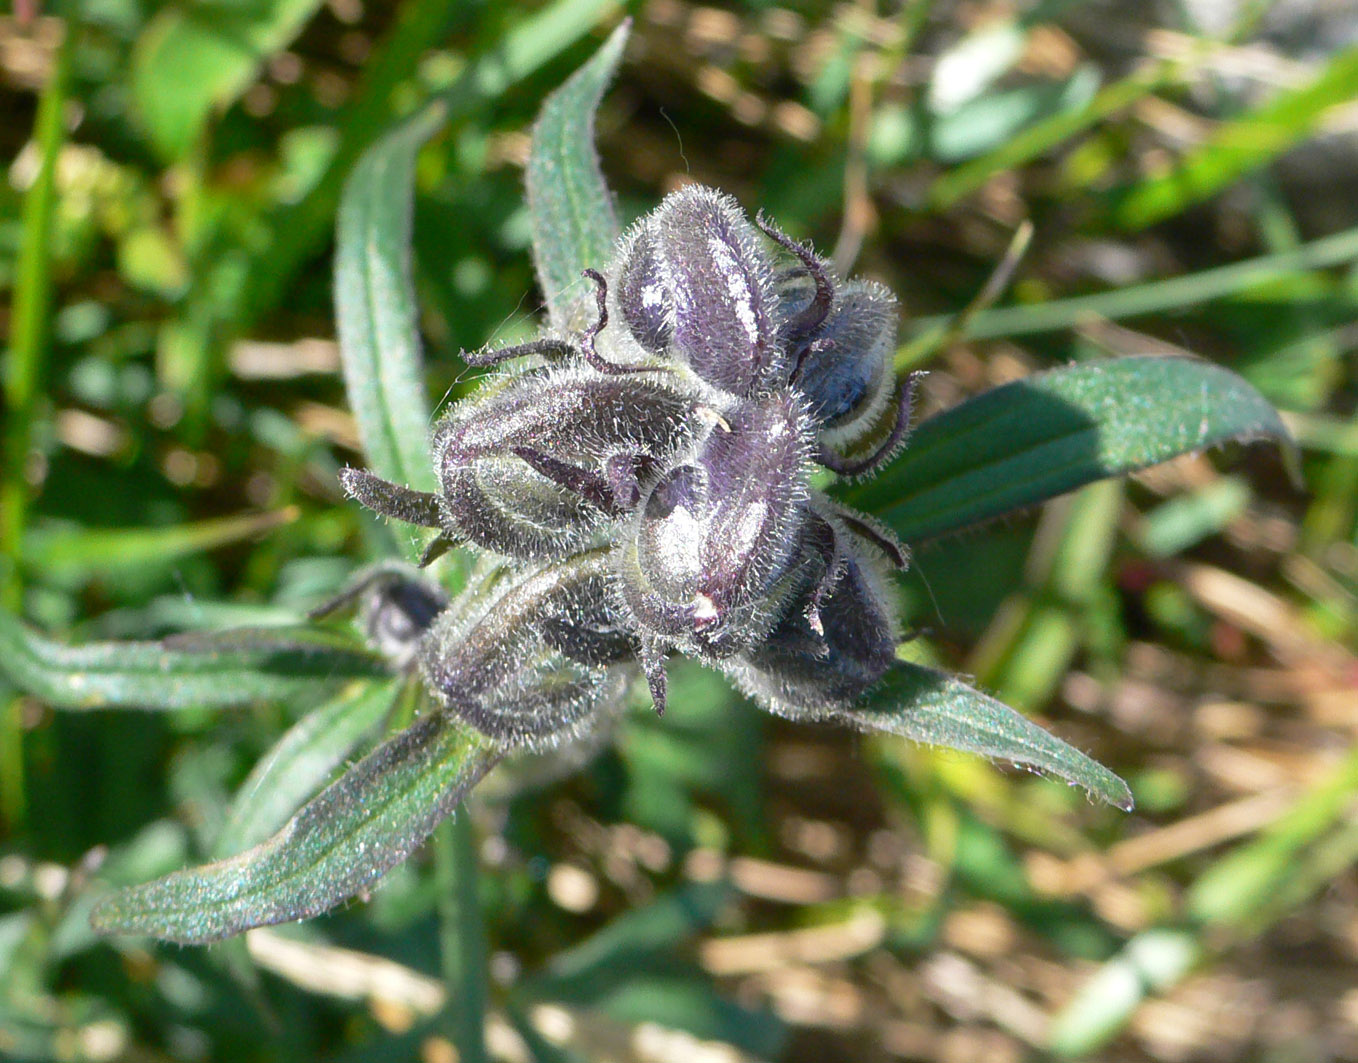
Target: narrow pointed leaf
941, 710
70, 552
210, 669
574, 224
300, 762
1028, 441
356, 830
375, 305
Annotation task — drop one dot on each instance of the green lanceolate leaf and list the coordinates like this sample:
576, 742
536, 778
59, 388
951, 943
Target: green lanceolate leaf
300, 762
209, 669
196, 57
1031, 440
356, 830
375, 305
941, 710
574, 225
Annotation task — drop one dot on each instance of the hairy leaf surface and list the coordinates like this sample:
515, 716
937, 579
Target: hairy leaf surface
205, 669
941, 710
375, 305
1031, 440
300, 762
574, 224
356, 830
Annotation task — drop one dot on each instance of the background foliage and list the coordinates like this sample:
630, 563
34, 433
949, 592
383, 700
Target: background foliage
174, 419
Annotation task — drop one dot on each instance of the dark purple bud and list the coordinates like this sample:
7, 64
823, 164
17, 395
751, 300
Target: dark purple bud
799, 672
845, 370
756, 476
719, 281
397, 606
716, 538
524, 660
641, 292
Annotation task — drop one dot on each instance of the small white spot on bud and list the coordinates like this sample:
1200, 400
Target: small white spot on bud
704, 610
709, 416
751, 523
741, 297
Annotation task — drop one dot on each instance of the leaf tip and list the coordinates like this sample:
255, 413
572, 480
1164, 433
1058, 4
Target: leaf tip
1117, 793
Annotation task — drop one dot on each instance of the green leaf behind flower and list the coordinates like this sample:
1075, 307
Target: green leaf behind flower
375, 305
574, 224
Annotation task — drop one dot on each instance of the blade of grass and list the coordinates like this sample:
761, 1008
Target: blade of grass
1236, 147
1240, 888
22, 385
1026, 652
1174, 293
300, 229
1050, 133
636, 941
81, 553
1241, 894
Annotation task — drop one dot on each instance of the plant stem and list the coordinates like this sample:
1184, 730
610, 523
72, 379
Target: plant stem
23, 373
462, 937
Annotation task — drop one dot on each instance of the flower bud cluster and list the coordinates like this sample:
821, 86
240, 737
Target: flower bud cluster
648, 484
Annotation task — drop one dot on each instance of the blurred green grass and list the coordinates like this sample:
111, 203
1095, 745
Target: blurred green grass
174, 419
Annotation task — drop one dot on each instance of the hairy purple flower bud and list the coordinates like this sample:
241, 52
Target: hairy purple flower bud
533, 465
694, 283
397, 607
844, 367
703, 562
525, 659
642, 293
802, 672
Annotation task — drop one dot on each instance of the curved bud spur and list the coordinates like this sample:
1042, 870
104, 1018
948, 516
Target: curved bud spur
525, 657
